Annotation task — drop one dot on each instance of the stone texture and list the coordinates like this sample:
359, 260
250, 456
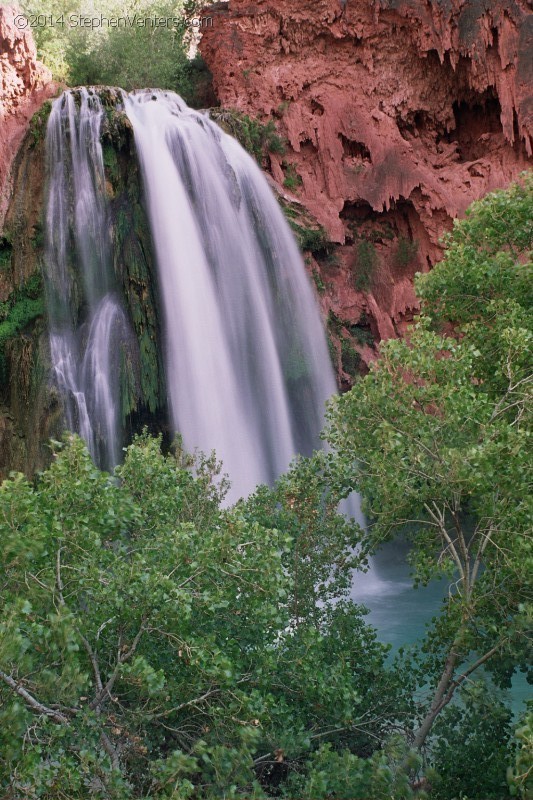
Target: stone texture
25, 84
398, 114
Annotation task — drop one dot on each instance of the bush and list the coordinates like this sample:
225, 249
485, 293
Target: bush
405, 252
292, 179
314, 240
131, 56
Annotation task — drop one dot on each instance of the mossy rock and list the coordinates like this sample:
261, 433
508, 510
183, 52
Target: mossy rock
38, 123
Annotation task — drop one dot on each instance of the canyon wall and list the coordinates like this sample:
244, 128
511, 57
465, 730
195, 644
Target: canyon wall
397, 115
25, 84
28, 413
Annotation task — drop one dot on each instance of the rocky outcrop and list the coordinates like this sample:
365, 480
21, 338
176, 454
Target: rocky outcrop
397, 113
25, 84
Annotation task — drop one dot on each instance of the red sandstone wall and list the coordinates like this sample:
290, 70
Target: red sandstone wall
398, 115
25, 84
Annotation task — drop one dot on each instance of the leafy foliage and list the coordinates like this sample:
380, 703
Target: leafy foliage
292, 178
22, 307
366, 262
441, 427
132, 53
477, 768
39, 121
155, 644
406, 251
520, 775
314, 240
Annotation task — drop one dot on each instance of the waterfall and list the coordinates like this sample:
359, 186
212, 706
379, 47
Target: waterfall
246, 359
87, 334
247, 364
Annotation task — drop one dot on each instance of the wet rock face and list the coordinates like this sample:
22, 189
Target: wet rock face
398, 114
25, 84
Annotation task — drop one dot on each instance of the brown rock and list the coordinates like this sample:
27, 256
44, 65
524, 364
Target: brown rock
398, 114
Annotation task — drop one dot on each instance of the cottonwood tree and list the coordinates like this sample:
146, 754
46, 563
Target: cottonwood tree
148, 645
437, 439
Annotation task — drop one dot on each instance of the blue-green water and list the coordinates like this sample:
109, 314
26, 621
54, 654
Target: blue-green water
402, 613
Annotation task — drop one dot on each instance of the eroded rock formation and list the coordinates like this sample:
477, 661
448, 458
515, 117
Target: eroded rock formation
398, 114
25, 84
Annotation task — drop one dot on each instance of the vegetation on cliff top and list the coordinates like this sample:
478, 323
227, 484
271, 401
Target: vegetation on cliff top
132, 44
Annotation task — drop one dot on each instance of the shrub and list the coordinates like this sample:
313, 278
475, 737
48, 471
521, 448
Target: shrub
22, 307
405, 252
292, 179
257, 138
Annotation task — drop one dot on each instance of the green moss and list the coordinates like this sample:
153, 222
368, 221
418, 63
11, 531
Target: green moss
6, 251
334, 323
37, 239
128, 386
116, 128
332, 351
142, 386
38, 123
110, 163
319, 283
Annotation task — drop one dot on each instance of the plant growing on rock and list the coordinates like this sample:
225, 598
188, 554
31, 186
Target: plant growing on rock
365, 265
292, 179
257, 138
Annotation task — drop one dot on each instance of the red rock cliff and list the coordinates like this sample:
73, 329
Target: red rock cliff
25, 84
398, 114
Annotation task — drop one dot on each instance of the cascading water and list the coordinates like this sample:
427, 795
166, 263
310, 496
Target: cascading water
248, 370
86, 335
247, 365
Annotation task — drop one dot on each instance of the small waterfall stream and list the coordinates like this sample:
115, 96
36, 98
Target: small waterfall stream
85, 351
247, 365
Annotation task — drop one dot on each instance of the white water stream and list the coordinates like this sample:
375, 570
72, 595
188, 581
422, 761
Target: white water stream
248, 370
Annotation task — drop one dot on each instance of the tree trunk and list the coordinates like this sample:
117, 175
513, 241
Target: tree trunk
438, 701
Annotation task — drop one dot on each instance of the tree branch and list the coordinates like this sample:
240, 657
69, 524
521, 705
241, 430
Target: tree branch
32, 702
121, 659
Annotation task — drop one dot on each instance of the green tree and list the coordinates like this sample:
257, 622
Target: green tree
520, 775
481, 726
131, 52
437, 439
149, 642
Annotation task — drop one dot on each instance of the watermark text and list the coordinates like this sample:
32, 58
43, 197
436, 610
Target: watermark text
97, 21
